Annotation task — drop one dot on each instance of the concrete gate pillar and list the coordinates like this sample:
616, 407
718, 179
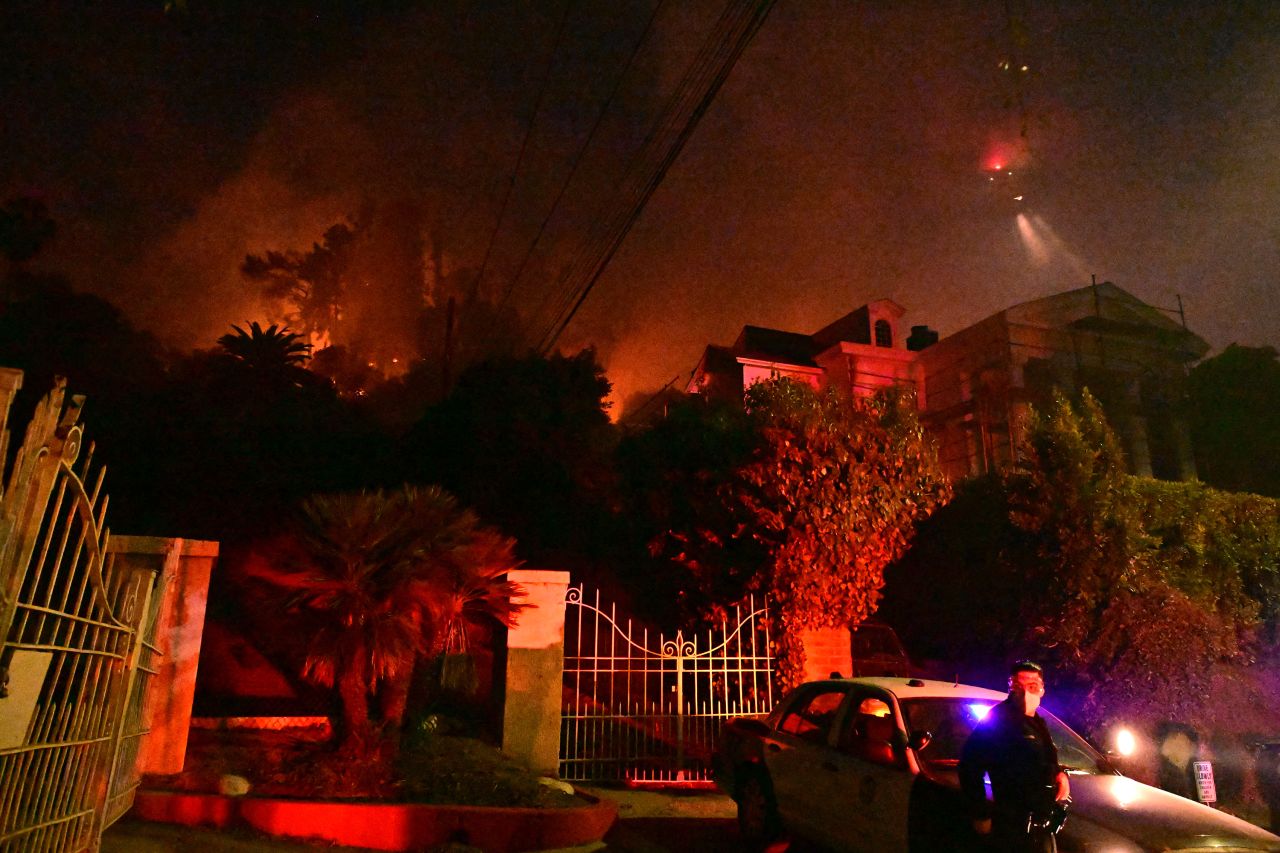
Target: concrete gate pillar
183, 566
535, 673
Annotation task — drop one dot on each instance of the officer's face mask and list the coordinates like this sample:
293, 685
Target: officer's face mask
1029, 688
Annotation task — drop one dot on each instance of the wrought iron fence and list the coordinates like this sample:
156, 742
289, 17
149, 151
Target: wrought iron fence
648, 708
72, 663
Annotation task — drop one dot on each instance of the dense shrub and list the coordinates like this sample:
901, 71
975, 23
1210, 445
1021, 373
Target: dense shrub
1220, 548
1085, 543
1155, 651
827, 496
1131, 589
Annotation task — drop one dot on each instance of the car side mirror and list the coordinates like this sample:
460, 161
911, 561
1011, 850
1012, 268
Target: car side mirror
919, 740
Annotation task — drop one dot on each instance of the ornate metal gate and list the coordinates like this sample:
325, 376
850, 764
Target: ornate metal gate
649, 709
73, 668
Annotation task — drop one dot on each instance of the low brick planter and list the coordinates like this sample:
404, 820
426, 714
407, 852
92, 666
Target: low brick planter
388, 826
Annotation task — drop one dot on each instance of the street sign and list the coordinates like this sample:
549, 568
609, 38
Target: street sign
1204, 783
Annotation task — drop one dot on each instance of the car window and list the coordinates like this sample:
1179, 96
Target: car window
1074, 752
875, 641
870, 730
810, 717
951, 721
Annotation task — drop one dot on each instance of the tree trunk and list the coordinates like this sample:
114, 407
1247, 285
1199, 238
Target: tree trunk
353, 691
395, 697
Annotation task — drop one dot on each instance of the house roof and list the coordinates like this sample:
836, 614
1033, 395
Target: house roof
718, 359
855, 327
757, 342
718, 364
1107, 308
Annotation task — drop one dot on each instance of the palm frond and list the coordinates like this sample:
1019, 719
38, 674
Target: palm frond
392, 574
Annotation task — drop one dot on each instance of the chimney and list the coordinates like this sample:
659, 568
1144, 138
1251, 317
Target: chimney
921, 337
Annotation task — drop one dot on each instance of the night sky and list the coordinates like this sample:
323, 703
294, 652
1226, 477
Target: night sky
846, 159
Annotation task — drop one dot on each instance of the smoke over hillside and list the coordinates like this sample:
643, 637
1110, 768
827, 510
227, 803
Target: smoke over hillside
843, 160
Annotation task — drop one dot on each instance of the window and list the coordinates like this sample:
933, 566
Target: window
870, 640
951, 721
884, 333
870, 732
810, 717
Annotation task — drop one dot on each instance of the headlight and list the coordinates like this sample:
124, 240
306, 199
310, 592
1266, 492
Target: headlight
1126, 743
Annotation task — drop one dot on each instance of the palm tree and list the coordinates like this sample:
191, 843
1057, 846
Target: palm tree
473, 592
274, 353
387, 577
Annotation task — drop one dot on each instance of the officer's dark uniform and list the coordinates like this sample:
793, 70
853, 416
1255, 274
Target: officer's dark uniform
1017, 753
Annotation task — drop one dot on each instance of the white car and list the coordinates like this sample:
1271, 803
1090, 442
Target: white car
870, 764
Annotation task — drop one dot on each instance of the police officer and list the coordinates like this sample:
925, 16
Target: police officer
1013, 747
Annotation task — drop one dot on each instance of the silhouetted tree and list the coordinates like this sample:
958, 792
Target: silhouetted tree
233, 443
528, 443
350, 374
671, 475
25, 227
314, 284
50, 330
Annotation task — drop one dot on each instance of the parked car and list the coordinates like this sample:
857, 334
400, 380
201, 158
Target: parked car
876, 650
870, 764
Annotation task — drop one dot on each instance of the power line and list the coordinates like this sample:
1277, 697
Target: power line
639, 167
524, 145
578, 158
737, 25
653, 399
649, 163
670, 138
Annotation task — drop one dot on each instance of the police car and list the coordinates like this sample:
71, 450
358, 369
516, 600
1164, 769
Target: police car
870, 764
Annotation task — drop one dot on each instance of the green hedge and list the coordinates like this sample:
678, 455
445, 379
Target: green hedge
1220, 548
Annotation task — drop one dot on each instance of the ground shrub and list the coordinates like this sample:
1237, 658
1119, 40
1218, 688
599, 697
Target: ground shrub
425, 768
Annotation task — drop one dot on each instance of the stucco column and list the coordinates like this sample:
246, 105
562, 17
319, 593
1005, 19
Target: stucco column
1132, 428
535, 673
183, 586
1186, 456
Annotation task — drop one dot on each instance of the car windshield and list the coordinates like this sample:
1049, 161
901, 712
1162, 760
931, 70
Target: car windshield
875, 641
950, 722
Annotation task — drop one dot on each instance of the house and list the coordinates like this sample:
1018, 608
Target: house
974, 388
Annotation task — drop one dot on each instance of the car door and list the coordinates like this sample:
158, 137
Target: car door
868, 766
794, 756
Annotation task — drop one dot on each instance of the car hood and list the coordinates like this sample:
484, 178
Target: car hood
1159, 820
